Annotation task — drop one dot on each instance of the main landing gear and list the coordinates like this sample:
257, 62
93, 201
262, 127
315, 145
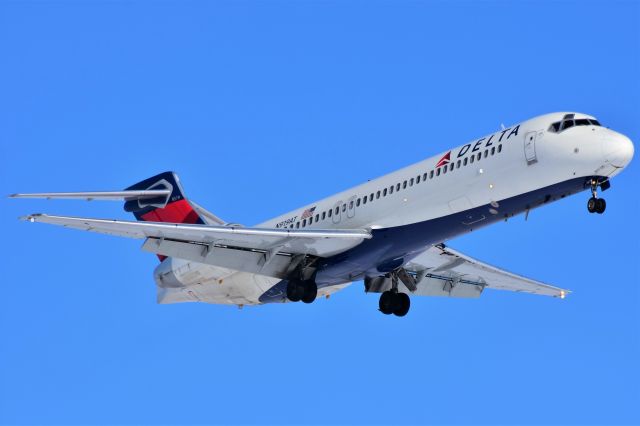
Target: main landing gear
306, 291
595, 204
394, 302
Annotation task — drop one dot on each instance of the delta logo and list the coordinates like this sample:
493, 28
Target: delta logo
444, 160
482, 143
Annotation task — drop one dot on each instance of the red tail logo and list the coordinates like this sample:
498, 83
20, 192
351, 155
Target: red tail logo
444, 160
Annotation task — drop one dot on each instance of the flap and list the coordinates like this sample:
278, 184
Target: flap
452, 268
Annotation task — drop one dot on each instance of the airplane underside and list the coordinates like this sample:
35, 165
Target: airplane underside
393, 247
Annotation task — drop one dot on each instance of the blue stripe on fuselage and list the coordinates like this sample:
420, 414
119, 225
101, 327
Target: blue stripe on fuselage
390, 248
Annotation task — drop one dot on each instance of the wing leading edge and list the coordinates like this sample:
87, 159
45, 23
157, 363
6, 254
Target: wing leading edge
312, 241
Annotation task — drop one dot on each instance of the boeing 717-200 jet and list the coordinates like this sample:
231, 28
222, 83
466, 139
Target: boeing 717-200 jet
389, 232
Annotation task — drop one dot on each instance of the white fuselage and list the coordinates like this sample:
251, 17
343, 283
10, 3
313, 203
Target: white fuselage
517, 160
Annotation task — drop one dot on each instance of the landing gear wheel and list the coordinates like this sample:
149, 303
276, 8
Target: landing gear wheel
386, 303
394, 303
592, 204
402, 304
295, 291
601, 205
310, 291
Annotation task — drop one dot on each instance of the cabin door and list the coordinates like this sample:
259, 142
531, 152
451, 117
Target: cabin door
530, 148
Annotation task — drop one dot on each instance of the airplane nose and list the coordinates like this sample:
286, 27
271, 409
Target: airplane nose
618, 150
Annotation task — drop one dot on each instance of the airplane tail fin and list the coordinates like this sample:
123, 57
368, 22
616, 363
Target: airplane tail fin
157, 199
173, 207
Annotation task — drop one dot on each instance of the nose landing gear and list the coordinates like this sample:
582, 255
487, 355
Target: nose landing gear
595, 204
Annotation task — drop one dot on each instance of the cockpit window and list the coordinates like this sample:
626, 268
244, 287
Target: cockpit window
566, 124
568, 121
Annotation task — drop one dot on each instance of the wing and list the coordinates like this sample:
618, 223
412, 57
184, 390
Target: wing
442, 271
264, 251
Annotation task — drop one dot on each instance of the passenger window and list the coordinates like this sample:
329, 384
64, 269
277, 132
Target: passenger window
430, 175
317, 217
358, 202
473, 158
378, 193
486, 153
364, 200
297, 224
291, 226
458, 164
444, 170
479, 156
451, 167
310, 220
418, 179
330, 212
398, 187
464, 163
438, 171
500, 148
371, 197
493, 150
411, 182
304, 222
350, 205
424, 177
344, 207
391, 190
404, 185
337, 209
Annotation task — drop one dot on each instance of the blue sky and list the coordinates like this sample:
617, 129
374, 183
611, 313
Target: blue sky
265, 106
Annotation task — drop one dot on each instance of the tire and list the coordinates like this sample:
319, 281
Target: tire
295, 291
386, 303
402, 305
310, 291
592, 204
601, 205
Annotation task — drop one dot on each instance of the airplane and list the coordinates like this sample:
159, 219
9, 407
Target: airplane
389, 232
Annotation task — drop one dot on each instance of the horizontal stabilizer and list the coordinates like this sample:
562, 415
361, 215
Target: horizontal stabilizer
99, 195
